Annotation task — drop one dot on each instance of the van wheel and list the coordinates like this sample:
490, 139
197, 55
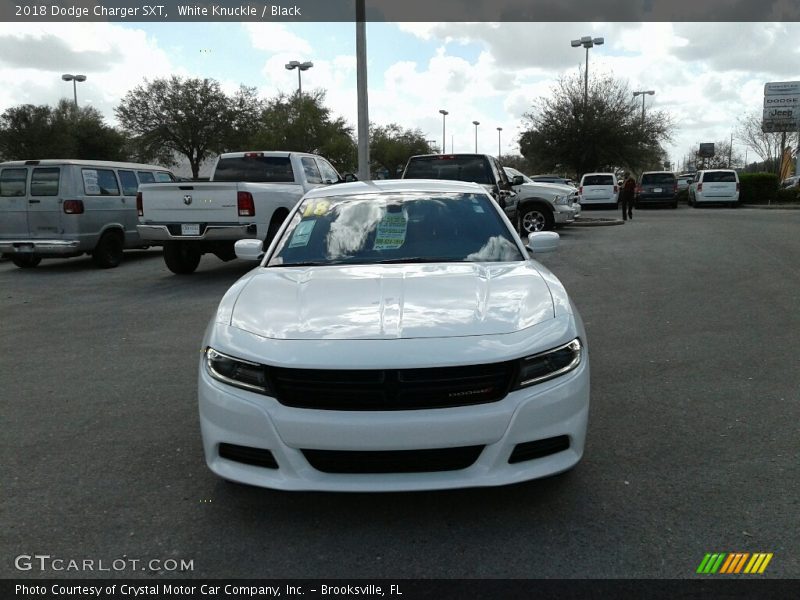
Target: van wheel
535, 218
108, 252
181, 258
26, 261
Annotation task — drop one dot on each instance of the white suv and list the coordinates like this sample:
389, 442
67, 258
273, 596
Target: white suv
598, 188
715, 185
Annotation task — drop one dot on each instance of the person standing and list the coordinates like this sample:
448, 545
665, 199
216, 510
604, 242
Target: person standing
626, 196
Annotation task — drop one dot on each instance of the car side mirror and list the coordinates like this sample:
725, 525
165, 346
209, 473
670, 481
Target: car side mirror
541, 242
349, 177
517, 180
249, 249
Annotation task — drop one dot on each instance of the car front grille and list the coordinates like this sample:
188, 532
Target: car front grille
392, 389
393, 461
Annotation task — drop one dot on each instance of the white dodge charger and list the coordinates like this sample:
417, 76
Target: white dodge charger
397, 335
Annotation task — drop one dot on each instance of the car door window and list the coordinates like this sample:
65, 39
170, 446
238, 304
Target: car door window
100, 182
130, 185
12, 182
146, 177
44, 181
311, 170
329, 174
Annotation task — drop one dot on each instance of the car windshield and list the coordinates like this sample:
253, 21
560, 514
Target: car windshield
598, 180
396, 228
452, 168
656, 178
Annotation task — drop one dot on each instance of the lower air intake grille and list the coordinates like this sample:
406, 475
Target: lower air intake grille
538, 449
393, 461
258, 457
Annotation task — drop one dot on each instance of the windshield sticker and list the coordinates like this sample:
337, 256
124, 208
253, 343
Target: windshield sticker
302, 234
391, 232
90, 181
317, 209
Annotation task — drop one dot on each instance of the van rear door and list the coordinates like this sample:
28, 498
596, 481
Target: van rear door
13, 203
44, 203
719, 184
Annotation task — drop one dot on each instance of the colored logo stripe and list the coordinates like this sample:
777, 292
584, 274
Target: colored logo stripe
734, 563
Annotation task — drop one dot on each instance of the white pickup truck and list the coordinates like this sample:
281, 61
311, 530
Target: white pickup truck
249, 196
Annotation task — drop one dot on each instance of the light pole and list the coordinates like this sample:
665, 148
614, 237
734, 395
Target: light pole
444, 114
643, 94
499, 129
74, 79
476, 123
305, 66
587, 42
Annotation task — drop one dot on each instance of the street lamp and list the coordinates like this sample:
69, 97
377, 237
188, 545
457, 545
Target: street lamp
305, 66
499, 129
444, 114
587, 42
476, 123
74, 79
643, 94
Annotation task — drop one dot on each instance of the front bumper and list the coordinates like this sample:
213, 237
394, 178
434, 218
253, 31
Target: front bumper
564, 214
208, 232
554, 408
49, 247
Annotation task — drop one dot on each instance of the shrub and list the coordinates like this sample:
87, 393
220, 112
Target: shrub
788, 196
758, 188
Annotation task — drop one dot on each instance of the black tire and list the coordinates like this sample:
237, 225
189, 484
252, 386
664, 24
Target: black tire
274, 225
674, 204
181, 258
25, 261
535, 218
108, 252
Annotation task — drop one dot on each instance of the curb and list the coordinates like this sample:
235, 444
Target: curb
595, 222
771, 206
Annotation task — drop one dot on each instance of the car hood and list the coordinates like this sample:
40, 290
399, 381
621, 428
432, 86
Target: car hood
392, 301
551, 188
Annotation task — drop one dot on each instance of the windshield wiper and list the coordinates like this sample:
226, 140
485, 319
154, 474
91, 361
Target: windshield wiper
418, 259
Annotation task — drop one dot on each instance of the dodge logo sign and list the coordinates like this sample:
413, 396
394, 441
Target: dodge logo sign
187, 199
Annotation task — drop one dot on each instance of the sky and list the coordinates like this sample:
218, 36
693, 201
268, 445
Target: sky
706, 75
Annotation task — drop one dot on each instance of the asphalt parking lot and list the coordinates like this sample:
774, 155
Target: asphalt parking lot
693, 442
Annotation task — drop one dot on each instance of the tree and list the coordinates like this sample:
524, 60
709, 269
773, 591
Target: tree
723, 157
192, 117
63, 131
607, 132
391, 146
518, 162
768, 146
302, 123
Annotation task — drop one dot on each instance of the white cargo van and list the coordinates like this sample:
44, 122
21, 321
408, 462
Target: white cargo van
60, 208
598, 188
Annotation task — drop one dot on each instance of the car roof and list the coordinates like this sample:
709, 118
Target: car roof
659, 172
396, 185
54, 162
272, 153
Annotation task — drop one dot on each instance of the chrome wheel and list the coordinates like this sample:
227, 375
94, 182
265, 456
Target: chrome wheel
533, 220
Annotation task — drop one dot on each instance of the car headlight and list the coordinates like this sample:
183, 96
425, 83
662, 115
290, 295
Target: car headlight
549, 364
237, 372
562, 200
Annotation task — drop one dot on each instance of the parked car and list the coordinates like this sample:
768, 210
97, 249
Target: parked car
397, 335
790, 182
684, 181
551, 179
563, 199
60, 208
715, 186
248, 197
657, 187
598, 188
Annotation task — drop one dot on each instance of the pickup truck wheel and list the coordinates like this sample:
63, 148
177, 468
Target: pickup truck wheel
25, 261
181, 258
274, 225
535, 218
108, 252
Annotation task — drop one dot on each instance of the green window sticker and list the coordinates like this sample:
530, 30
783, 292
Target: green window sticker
391, 232
302, 233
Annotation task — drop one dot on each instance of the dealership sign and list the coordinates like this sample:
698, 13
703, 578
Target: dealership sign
781, 106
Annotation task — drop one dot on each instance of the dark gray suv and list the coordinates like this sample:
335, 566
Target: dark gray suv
657, 187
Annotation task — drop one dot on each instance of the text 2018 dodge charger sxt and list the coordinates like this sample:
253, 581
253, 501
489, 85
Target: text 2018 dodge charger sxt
396, 336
